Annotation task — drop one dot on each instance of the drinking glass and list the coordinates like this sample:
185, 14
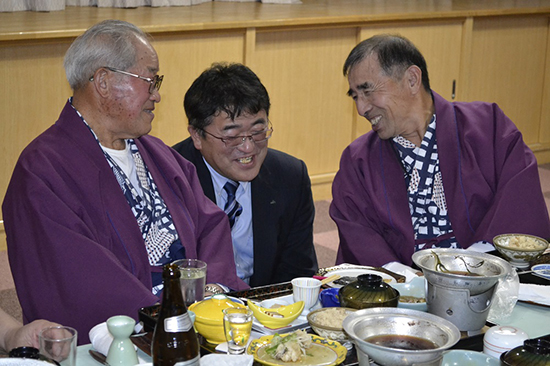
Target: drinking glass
59, 344
193, 279
237, 325
306, 289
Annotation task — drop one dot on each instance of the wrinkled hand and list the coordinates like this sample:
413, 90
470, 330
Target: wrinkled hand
27, 335
212, 289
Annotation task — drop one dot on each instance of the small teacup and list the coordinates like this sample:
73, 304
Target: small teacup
329, 297
306, 289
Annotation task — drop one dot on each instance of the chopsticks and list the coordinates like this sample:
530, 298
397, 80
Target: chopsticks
329, 279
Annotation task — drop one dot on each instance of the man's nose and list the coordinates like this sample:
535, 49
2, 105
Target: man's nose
248, 144
363, 106
155, 96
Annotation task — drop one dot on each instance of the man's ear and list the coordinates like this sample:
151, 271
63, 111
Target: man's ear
101, 82
196, 136
413, 77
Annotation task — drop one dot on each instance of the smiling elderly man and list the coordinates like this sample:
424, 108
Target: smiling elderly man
266, 193
95, 207
430, 173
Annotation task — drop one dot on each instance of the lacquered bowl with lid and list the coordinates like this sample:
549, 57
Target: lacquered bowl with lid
368, 291
209, 316
533, 352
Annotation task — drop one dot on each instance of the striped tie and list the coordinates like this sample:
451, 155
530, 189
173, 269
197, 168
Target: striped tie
232, 207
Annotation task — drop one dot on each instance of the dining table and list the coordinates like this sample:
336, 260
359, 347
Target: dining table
531, 317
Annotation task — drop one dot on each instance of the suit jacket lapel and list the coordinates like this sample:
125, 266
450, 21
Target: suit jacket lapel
264, 206
204, 176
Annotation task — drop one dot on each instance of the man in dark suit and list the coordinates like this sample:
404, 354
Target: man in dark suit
270, 205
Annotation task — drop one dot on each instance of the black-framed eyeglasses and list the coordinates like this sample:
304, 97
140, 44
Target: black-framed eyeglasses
236, 141
154, 83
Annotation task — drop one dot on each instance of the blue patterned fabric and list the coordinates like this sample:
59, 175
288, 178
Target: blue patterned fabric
150, 210
427, 204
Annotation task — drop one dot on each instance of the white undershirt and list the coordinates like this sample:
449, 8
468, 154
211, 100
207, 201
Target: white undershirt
126, 162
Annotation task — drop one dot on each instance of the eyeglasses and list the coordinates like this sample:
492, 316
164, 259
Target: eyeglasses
155, 82
236, 141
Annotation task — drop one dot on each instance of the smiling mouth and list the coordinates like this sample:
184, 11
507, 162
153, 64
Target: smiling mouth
245, 160
375, 120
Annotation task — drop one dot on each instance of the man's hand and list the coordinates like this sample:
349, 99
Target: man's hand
27, 335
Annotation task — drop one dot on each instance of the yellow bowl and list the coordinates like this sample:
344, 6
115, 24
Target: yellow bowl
289, 313
209, 316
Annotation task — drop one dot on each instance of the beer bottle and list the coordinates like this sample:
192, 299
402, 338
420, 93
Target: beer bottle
175, 342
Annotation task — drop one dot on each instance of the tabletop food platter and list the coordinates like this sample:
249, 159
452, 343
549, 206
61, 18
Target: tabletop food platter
471, 341
323, 352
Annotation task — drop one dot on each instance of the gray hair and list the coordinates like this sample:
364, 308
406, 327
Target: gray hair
395, 54
109, 43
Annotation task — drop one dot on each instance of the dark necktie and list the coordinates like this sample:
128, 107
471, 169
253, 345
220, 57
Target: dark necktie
232, 207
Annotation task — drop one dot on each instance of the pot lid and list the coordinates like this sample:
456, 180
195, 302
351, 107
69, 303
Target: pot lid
211, 309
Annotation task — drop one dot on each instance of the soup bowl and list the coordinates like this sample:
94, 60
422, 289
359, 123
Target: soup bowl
396, 336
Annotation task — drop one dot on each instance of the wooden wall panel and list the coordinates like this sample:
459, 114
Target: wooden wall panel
508, 67
504, 59
33, 92
311, 113
544, 134
182, 59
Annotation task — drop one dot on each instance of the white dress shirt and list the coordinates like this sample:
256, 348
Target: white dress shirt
241, 233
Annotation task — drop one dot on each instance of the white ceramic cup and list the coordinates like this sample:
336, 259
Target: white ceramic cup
59, 344
502, 338
306, 289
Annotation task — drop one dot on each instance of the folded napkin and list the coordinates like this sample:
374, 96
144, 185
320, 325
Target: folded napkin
402, 269
101, 340
217, 359
535, 293
481, 246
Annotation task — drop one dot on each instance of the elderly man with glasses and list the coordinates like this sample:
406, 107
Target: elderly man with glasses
265, 193
95, 207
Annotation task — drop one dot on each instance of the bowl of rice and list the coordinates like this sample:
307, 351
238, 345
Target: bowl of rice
520, 249
327, 322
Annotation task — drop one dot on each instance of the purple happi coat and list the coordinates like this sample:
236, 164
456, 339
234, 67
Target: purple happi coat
489, 175
76, 252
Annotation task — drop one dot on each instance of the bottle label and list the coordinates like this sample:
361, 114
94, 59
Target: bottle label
178, 323
193, 362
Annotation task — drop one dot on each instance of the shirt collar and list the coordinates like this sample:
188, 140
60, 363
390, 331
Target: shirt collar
219, 181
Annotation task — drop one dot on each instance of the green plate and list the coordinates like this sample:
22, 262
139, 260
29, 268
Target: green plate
323, 352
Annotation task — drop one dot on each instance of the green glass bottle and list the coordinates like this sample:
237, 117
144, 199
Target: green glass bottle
174, 342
